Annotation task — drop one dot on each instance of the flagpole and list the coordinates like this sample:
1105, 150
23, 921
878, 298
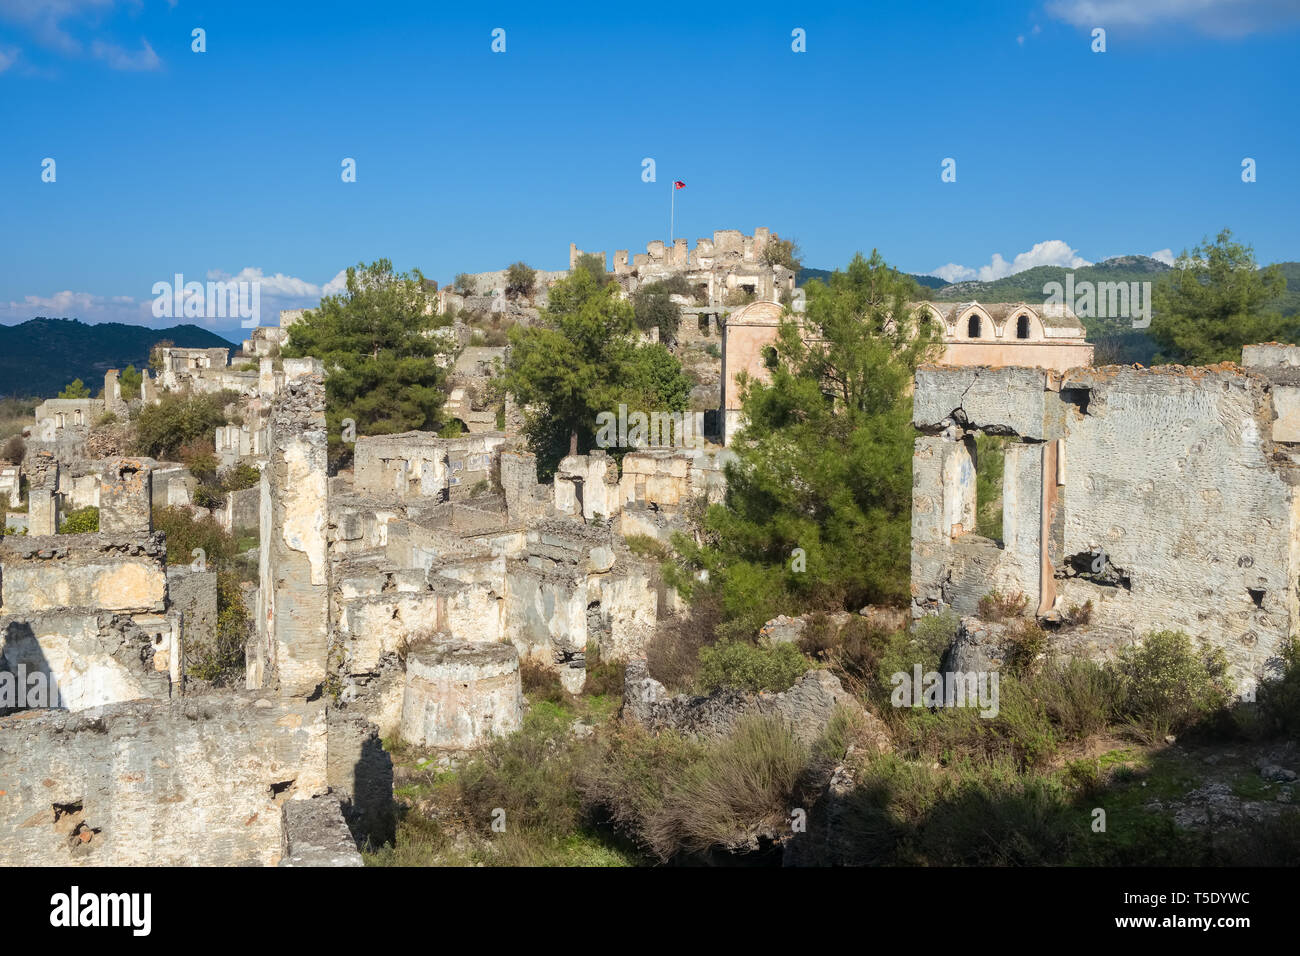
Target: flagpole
672, 209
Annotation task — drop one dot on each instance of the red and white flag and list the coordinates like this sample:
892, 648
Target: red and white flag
678, 184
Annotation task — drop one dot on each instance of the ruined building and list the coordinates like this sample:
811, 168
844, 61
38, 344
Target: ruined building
1167, 497
993, 334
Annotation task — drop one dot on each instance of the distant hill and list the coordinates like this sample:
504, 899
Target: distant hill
930, 282
39, 357
1027, 286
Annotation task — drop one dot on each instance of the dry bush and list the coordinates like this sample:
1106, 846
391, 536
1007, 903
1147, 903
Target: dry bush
745, 781
539, 681
996, 606
1079, 614
672, 654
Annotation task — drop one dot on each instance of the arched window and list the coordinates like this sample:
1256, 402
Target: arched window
973, 326
1022, 327
769, 357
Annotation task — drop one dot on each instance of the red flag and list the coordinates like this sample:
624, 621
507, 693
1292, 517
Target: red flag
678, 184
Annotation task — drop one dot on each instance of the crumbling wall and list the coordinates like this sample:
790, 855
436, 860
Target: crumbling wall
126, 497
1160, 495
194, 594
113, 573
92, 659
293, 621
198, 781
459, 695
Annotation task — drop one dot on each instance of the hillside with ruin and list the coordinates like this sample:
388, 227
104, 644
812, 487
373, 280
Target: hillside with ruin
239, 627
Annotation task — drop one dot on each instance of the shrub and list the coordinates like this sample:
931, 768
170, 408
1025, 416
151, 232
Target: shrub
14, 450
653, 307
1167, 685
1079, 614
200, 457
1079, 696
75, 389
465, 283
750, 667
520, 279
177, 420
1278, 700
996, 606
743, 781
629, 783
81, 521
644, 546
604, 678
240, 477
541, 682
185, 533
222, 661
530, 775
1026, 642
672, 654
209, 496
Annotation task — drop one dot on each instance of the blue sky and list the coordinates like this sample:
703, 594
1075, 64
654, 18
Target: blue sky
228, 162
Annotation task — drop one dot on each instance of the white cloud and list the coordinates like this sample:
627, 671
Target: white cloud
1215, 17
338, 285
277, 291
953, 273
1052, 252
279, 286
1164, 255
55, 25
77, 305
8, 56
118, 58
44, 19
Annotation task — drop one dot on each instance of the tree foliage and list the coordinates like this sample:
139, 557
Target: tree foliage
75, 389
824, 461
520, 279
584, 359
380, 354
82, 521
593, 265
783, 252
1216, 300
653, 307
179, 418
130, 381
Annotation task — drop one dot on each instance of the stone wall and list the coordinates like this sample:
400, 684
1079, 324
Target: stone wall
113, 573
191, 782
293, 619
422, 465
93, 659
458, 695
1160, 495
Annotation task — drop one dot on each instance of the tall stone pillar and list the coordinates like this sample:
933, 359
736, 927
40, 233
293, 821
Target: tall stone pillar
113, 402
42, 493
293, 620
126, 497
